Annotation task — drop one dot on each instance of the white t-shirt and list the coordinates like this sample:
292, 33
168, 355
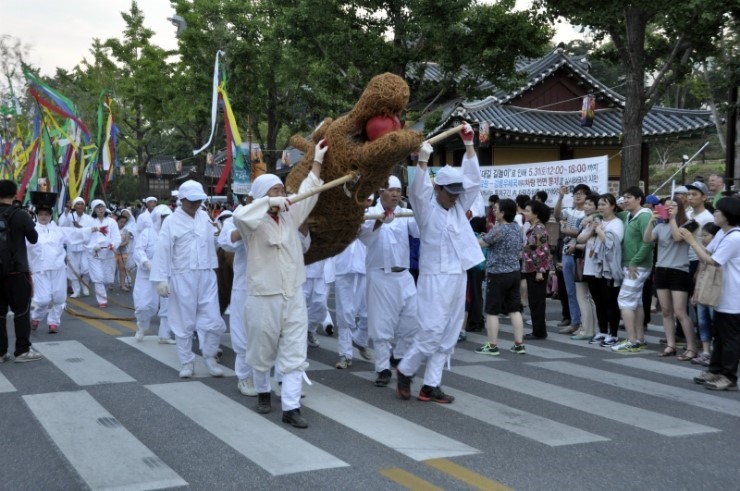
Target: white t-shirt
615, 226
702, 219
725, 251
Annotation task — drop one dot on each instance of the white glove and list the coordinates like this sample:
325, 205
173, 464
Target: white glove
163, 288
147, 266
280, 202
320, 151
425, 151
467, 134
389, 216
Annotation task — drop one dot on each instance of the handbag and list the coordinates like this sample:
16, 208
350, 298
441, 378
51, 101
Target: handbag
709, 285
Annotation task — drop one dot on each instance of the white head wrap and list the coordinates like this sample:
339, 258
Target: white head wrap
192, 191
78, 199
263, 183
394, 183
150, 198
95, 204
158, 212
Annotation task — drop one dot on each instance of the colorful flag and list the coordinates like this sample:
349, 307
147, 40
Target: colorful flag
588, 110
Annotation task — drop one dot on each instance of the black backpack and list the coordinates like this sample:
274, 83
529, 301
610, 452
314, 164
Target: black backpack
7, 261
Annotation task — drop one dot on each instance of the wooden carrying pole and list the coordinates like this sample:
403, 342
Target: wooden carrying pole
443, 135
331, 184
380, 216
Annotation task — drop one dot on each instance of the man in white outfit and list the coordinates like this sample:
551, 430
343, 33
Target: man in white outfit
77, 267
278, 325
230, 240
147, 303
448, 249
183, 266
146, 215
319, 277
391, 292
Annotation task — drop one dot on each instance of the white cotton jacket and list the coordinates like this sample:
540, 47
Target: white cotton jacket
275, 261
184, 244
48, 254
104, 241
388, 245
239, 248
448, 244
77, 244
352, 259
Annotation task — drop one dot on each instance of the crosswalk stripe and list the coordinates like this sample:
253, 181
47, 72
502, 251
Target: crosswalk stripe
507, 418
5, 385
409, 480
101, 450
598, 406
467, 476
659, 367
533, 348
167, 354
635, 384
268, 445
466, 356
102, 314
80, 364
401, 435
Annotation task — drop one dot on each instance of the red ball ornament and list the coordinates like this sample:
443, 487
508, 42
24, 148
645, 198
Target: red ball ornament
378, 126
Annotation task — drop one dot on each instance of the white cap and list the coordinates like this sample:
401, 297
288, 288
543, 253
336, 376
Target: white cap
262, 184
451, 179
96, 203
394, 183
224, 215
150, 198
78, 199
192, 191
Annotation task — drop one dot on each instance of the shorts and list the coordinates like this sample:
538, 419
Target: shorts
673, 279
630, 293
503, 293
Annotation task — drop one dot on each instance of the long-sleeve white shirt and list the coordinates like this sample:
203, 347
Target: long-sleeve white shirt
448, 244
48, 254
388, 245
184, 244
85, 221
352, 259
275, 261
239, 248
104, 241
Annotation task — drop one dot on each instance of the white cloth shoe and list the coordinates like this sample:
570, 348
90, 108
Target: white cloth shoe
167, 341
246, 387
213, 368
85, 291
139, 335
186, 371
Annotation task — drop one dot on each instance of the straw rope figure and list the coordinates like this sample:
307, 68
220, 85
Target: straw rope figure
368, 141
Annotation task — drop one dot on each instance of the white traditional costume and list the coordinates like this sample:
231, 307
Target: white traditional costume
350, 296
391, 292
448, 249
147, 303
77, 255
277, 327
101, 253
319, 277
183, 266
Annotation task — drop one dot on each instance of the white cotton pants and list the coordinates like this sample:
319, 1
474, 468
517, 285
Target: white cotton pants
350, 293
147, 303
391, 314
316, 291
239, 333
76, 262
194, 305
290, 389
441, 299
49, 295
102, 272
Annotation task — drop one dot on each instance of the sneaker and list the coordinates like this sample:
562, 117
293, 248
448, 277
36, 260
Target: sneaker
568, 329
167, 341
246, 387
294, 418
531, 337
598, 338
219, 354
528, 322
434, 394
139, 336
395, 361
213, 368
706, 376
403, 387
85, 291
701, 359
462, 336
264, 403
75, 295
365, 352
5, 358
641, 344
29, 355
34, 325
53, 328
564, 322
384, 378
186, 371
609, 341
487, 349
518, 349
329, 329
343, 362
580, 336
627, 347
103, 305
721, 383
312, 341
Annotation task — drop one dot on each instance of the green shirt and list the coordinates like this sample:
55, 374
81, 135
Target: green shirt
635, 252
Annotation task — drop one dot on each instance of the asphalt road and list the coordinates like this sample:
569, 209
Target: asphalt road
104, 412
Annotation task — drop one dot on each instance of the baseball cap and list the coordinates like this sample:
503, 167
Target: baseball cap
681, 190
450, 179
651, 199
698, 186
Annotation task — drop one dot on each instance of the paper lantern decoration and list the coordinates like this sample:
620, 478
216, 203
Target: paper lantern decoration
123, 170
135, 171
178, 166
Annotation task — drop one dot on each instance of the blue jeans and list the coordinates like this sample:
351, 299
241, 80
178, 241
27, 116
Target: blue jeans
569, 275
705, 313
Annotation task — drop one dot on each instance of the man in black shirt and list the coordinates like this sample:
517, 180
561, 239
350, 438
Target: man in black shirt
15, 281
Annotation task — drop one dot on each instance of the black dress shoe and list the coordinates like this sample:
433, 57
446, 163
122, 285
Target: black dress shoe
329, 330
294, 418
384, 378
403, 387
264, 404
395, 361
532, 337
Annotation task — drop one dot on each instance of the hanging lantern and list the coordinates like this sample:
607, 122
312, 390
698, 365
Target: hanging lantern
178, 166
123, 170
135, 171
158, 170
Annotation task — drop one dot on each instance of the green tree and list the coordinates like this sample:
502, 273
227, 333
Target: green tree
656, 37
